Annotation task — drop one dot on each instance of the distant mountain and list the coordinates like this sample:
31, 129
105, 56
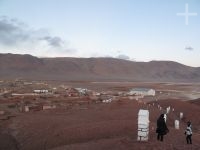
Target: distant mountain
93, 69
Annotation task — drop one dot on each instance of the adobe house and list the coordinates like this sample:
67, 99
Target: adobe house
71, 92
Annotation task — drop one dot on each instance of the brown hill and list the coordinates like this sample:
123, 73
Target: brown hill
92, 69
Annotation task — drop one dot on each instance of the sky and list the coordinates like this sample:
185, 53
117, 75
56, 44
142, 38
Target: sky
136, 30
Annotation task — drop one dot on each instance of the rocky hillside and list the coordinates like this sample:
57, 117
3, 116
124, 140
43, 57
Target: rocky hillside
92, 69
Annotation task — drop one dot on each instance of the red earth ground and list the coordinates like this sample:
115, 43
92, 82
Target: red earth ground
110, 126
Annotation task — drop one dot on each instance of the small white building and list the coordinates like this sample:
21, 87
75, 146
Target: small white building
28, 83
45, 107
107, 100
41, 91
142, 91
82, 90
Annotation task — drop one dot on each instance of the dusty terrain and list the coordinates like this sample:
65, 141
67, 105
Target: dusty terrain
103, 126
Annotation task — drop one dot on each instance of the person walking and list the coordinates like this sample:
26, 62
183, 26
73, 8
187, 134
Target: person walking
161, 129
188, 133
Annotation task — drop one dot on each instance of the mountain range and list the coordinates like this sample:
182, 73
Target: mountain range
14, 66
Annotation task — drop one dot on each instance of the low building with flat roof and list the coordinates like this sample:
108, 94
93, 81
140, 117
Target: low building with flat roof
142, 91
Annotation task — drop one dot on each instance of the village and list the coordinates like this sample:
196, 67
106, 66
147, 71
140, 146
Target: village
23, 96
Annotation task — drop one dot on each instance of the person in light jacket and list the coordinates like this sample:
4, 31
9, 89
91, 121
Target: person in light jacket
188, 133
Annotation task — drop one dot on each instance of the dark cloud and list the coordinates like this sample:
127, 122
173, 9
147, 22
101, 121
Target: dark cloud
125, 57
14, 33
11, 32
54, 41
189, 48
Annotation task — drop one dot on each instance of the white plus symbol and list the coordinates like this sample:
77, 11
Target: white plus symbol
186, 14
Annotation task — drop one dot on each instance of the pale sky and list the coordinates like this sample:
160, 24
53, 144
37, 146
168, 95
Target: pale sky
139, 30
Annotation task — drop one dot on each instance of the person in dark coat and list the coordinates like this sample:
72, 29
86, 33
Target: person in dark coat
161, 128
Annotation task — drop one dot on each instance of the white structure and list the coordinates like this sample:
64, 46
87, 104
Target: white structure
49, 107
107, 100
28, 83
82, 91
24, 94
181, 115
26, 109
165, 117
142, 91
41, 91
176, 124
168, 109
143, 125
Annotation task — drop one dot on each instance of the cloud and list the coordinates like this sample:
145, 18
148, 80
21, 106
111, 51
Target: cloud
122, 56
53, 41
12, 32
17, 35
69, 50
189, 48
